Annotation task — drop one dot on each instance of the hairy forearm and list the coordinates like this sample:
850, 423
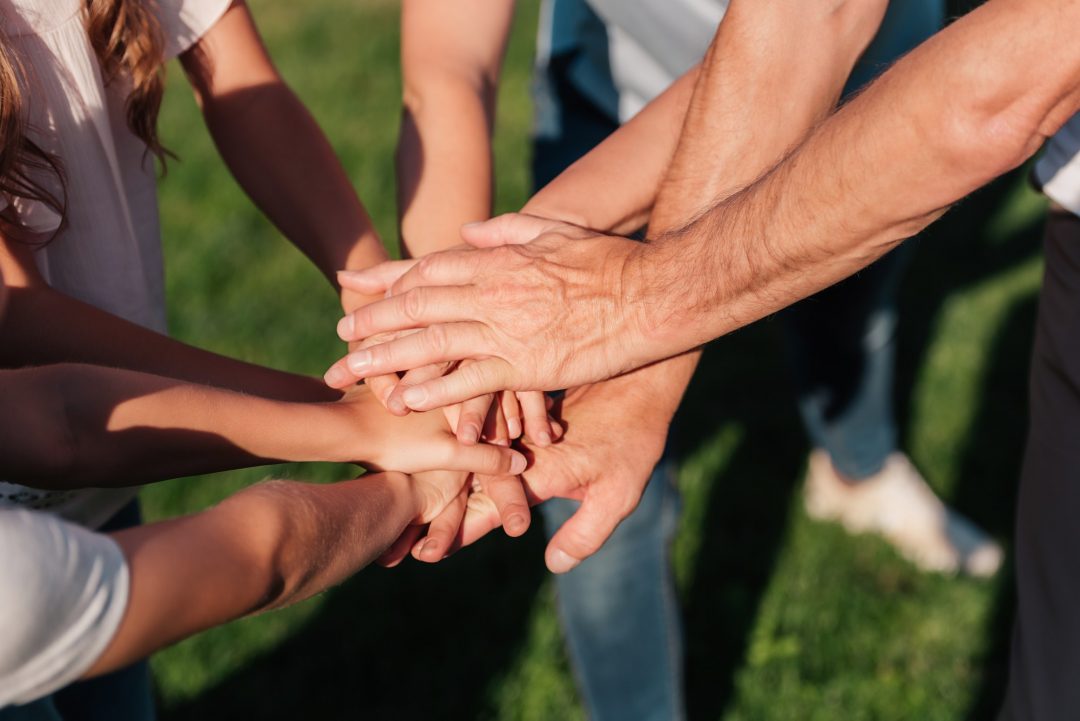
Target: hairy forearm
43, 326
771, 73
266, 547
966, 106
451, 59
81, 426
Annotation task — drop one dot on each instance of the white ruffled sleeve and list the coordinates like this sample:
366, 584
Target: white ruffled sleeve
183, 22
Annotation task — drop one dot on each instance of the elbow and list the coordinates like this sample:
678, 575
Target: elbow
987, 140
44, 443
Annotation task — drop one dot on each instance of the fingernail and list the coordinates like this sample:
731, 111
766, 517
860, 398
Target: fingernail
429, 549
470, 435
359, 361
513, 427
515, 525
345, 327
337, 377
560, 561
473, 224
517, 465
544, 438
556, 431
414, 396
397, 406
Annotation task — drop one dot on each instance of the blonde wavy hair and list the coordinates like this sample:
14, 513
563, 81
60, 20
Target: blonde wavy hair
127, 39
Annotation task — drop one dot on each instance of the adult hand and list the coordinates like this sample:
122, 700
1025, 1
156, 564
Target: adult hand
607, 471
567, 308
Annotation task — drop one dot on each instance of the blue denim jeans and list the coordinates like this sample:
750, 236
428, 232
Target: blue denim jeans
124, 695
618, 608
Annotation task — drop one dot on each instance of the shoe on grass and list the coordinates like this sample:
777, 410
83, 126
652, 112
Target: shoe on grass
897, 504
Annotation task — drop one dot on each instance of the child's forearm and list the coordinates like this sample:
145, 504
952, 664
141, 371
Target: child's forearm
276, 150
72, 426
266, 547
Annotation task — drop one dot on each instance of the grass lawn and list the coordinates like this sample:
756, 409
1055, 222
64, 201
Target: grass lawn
785, 618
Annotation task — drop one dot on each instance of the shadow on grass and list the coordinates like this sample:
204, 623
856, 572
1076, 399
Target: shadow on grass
744, 379
415, 642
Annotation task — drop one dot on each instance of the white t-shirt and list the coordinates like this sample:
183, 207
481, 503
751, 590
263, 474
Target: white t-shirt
1058, 170
109, 254
63, 594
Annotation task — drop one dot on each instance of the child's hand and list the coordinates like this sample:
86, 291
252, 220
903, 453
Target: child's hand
414, 443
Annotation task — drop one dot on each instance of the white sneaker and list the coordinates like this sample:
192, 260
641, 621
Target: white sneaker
898, 505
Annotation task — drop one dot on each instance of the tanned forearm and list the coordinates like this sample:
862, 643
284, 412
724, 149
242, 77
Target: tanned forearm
971, 103
276, 150
269, 546
769, 75
43, 326
614, 187
83, 426
451, 56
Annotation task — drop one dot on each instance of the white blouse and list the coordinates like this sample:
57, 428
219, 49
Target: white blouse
109, 253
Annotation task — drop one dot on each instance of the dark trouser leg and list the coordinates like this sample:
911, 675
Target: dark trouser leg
1044, 670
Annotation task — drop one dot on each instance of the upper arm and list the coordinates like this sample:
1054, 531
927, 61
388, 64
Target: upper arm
229, 58
462, 41
63, 593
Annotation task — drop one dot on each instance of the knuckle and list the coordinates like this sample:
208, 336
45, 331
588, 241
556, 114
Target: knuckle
412, 304
436, 339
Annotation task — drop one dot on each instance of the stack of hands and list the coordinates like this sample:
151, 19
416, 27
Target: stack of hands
567, 441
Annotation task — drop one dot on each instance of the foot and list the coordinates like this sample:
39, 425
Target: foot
897, 504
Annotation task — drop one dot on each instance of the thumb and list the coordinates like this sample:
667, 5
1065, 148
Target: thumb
508, 229
582, 535
376, 279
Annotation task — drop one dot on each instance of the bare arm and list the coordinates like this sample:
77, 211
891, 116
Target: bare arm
44, 326
275, 149
77, 426
267, 547
969, 104
451, 58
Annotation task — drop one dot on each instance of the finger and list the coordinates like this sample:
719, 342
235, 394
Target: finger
450, 267
583, 534
474, 413
467, 381
415, 308
377, 278
511, 410
442, 531
338, 375
481, 518
508, 495
508, 229
382, 387
399, 550
495, 426
534, 411
482, 458
437, 344
413, 377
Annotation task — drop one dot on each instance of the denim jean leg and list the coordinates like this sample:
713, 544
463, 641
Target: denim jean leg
619, 609
842, 346
620, 613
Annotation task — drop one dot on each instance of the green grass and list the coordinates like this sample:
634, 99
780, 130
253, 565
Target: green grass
785, 618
